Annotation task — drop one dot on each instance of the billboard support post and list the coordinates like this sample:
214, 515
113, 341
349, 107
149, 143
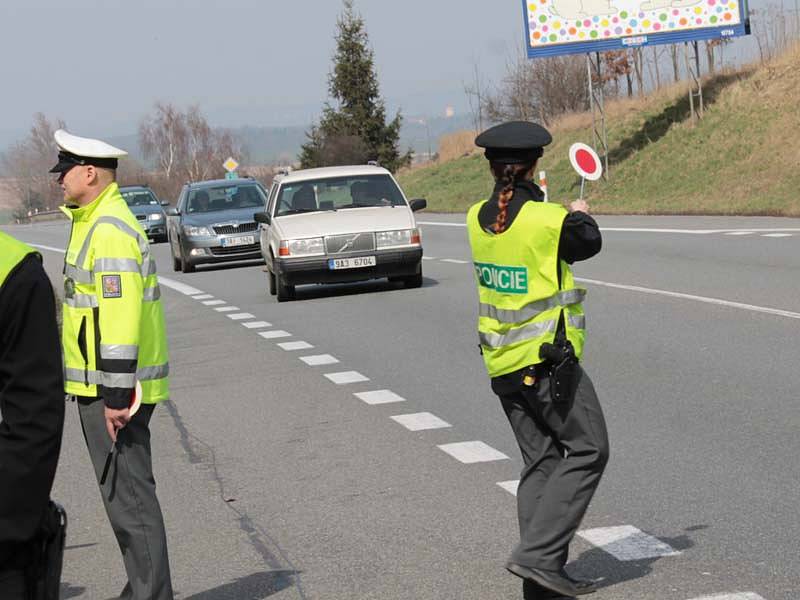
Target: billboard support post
696, 84
597, 104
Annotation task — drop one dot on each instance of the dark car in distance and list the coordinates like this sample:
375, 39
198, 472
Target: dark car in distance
213, 222
147, 209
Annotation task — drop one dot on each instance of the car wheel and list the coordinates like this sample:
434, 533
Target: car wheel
283, 291
415, 281
186, 266
273, 287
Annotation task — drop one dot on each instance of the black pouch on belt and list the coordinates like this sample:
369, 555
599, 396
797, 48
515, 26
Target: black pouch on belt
563, 366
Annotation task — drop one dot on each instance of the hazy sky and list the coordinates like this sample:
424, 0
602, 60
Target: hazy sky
101, 64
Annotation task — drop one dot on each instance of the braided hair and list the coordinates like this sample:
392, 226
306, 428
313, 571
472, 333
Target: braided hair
508, 175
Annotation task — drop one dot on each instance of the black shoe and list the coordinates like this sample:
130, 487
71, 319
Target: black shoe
584, 586
556, 581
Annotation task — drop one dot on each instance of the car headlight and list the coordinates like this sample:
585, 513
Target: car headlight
402, 237
192, 231
155, 217
304, 247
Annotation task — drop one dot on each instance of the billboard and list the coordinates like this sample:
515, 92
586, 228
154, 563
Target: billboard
554, 27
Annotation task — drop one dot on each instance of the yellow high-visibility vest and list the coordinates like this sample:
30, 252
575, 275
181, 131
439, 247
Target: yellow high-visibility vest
12, 251
114, 333
518, 289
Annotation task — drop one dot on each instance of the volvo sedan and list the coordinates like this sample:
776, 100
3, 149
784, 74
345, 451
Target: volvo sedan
339, 224
213, 223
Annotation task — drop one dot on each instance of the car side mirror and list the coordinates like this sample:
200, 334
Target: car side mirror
418, 204
172, 212
262, 217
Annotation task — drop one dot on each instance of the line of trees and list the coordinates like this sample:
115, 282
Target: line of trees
177, 145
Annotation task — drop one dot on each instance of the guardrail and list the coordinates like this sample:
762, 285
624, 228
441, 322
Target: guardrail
42, 216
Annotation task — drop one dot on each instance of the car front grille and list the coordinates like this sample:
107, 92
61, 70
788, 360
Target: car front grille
351, 242
228, 229
250, 248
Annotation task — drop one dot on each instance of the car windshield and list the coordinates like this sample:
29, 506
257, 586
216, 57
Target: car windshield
225, 197
338, 193
140, 198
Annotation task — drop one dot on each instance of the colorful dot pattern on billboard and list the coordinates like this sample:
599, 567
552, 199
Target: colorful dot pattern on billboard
552, 23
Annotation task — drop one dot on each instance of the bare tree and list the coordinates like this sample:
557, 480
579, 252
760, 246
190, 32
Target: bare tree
184, 147
673, 54
539, 89
476, 93
29, 162
638, 69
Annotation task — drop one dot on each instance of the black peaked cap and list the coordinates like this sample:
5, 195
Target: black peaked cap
515, 142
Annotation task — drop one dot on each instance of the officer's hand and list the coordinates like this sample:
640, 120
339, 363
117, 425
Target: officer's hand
116, 420
579, 206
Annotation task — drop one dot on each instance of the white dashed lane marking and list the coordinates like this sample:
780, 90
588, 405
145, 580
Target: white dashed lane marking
203, 297
627, 543
274, 335
224, 309
379, 397
777, 235
509, 486
732, 596
256, 324
214, 302
455, 261
241, 316
421, 421
291, 346
473, 452
320, 359
740, 233
346, 377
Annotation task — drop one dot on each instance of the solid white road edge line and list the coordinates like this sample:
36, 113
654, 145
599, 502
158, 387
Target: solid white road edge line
645, 229
717, 301
627, 543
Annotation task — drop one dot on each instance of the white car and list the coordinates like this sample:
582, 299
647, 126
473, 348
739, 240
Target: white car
339, 224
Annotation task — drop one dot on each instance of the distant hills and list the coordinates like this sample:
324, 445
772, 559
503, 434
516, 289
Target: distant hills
281, 145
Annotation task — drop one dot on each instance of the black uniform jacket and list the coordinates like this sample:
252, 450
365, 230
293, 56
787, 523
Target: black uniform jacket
580, 239
31, 403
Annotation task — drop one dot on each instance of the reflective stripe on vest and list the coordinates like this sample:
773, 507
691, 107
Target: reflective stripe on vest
529, 311
119, 352
118, 380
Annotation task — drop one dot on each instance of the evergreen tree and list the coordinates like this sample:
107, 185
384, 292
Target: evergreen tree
357, 130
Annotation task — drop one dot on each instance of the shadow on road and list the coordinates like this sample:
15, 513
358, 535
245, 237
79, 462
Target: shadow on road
253, 587
67, 590
598, 564
313, 292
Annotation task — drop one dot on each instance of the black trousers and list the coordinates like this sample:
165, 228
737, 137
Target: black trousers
12, 585
565, 450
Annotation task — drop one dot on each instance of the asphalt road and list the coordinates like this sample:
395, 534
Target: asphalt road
277, 482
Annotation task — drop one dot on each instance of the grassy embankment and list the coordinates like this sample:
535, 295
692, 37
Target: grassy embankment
742, 158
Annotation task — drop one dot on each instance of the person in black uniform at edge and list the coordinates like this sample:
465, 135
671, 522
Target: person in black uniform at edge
31, 408
531, 328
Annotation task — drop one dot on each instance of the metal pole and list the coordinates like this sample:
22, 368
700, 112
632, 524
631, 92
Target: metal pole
699, 79
692, 113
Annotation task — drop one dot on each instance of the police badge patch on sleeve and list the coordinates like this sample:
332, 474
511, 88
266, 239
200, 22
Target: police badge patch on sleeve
112, 286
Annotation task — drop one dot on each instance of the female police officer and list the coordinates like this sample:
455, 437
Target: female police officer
531, 329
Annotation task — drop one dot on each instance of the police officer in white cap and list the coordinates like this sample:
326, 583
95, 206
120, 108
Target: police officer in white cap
115, 345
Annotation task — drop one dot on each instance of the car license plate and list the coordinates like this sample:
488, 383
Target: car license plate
242, 240
351, 263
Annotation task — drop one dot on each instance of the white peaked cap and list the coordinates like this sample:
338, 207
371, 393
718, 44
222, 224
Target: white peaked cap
86, 147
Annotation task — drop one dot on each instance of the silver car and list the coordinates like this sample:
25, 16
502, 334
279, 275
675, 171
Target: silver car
213, 222
147, 209
337, 225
